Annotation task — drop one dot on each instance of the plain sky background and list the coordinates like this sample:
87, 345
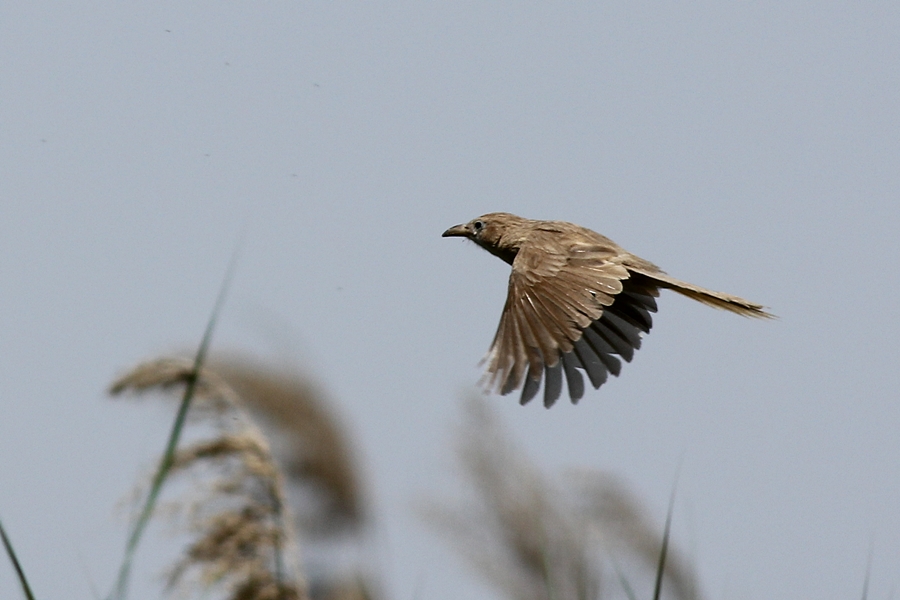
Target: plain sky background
749, 147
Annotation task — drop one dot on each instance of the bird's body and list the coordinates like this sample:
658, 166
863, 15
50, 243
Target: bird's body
575, 299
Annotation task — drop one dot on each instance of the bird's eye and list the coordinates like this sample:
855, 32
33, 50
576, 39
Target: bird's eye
478, 226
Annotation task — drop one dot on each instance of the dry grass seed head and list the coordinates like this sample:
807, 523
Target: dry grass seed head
514, 530
323, 478
316, 452
617, 517
539, 541
240, 527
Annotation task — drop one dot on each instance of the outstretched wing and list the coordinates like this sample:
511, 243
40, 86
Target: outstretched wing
569, 309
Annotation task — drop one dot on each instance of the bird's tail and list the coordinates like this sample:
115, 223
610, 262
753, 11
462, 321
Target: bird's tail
712, 298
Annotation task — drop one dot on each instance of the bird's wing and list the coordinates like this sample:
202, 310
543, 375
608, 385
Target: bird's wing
570, 306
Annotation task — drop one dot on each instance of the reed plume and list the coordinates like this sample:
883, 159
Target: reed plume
323, 478
582, 538
309, 441
294, 438
242, 539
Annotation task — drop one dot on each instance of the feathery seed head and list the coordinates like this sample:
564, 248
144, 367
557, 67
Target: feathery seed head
242, 539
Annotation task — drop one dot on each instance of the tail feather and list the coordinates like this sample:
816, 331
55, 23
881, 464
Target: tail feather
712, 298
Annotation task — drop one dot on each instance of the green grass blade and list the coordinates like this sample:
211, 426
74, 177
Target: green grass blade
629, 591
120, 590
865, 591
23, 581
661, 566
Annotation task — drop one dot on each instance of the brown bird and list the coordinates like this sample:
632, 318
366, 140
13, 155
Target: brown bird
575, 299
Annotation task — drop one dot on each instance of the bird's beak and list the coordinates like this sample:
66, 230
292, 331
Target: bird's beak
456, 231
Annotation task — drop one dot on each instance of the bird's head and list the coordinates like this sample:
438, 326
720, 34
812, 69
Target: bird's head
501, 234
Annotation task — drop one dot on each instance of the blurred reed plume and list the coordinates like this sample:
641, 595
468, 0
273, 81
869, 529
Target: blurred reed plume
583, 538
309, 442
276, 445
323, 478
235, 510
252, 499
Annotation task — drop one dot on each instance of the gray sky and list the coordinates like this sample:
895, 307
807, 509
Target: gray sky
749, 147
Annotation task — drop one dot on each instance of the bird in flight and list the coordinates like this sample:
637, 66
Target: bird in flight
575, 300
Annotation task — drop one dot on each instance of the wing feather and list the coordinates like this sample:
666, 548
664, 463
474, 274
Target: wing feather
578, 302
511, 374
591, 363
530, 389
625, 331
552, 384
636, 316
574, 380
568, 310
603, 350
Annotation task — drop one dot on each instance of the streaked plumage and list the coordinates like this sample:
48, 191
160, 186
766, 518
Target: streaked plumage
577, 301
